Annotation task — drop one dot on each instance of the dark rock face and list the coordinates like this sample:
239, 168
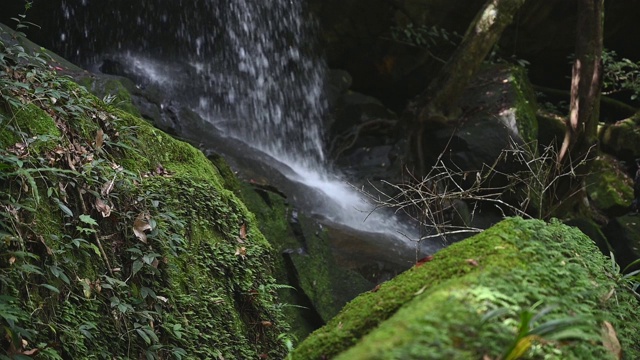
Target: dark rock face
357, 38
623, 234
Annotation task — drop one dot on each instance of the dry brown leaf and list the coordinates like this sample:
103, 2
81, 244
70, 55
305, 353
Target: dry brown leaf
241, 251
31, 352
49, 251
243, 231
97, 287
140, 225
610, 340
70, 162
103, 208
472, 262
107, 187
99, 139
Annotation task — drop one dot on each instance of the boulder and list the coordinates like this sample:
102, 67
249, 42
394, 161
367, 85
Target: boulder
123, 241
488, 296
498, 114
621, 139
624, 236
609, 187
327, 265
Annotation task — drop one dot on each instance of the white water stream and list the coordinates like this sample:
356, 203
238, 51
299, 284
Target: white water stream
257, 77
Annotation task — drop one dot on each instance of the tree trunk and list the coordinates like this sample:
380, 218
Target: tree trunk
437, 103
582, 125
579, 147
481, 36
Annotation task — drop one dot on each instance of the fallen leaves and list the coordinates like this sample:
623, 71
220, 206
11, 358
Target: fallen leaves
472, 262
424, 260
99, 139
241, 252
158, 171
141, 226
610, 340
243, 234
104, 209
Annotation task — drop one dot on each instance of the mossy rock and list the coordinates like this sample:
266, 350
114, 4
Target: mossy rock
624, 235
321, 287
123, 242
622, 139
447, 307
609, 187
113, 87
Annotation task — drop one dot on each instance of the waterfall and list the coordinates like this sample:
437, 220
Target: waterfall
272, 80
249, 68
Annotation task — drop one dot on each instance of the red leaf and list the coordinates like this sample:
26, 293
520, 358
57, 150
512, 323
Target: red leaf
425, 259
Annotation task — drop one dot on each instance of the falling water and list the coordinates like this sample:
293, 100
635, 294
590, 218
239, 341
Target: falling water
272, 81
249, 68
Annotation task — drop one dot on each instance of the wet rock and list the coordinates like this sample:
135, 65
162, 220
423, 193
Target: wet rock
498, 113
323, 262
621, 139
624, 235
609, 187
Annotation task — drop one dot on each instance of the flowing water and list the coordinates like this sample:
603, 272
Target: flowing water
249, 68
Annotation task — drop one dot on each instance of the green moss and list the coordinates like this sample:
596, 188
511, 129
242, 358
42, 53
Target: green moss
104, 86
525, 104
306, 261
200, 285
608, 186
273, 213
159, 149
621, 138
435, 311
31, 120
370, 309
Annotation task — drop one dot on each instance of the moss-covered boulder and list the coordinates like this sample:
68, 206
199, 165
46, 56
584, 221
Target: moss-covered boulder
320, 286
116, 240
499, 110
622, 138
520, 288
609, 187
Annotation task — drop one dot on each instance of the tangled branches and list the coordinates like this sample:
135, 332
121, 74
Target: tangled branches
447, 199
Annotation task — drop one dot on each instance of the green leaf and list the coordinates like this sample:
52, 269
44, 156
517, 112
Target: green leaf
123, 308
176, 331
137, 266
28, 268
145, 291
135, 251
88, 220
96, 250
63, 207
77, 242
144, 336
149, 258
51, 287
59, 273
